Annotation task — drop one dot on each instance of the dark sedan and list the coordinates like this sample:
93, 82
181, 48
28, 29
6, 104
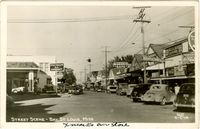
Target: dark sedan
139, 91
186, 96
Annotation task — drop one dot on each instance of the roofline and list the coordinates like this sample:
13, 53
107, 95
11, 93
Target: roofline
176, 42
24, 68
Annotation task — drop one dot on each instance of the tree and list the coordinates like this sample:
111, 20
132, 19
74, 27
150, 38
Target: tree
68, 76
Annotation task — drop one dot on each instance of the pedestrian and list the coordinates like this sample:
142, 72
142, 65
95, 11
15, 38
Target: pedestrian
176, 88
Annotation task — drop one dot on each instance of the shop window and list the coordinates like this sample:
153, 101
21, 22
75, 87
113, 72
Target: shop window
173, 51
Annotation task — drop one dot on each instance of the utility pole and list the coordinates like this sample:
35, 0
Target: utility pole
85, 72
80, 78
140, 19
106, 60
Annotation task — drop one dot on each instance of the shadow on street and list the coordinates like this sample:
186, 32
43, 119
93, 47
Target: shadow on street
32, 96
31, 113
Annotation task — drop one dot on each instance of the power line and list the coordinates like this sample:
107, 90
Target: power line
128, 38
37, 20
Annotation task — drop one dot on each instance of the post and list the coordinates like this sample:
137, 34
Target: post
143, 47
106, 64
140, 19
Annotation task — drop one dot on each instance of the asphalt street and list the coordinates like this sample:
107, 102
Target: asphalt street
95, 107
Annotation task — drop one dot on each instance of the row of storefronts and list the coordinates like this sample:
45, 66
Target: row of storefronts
169, 63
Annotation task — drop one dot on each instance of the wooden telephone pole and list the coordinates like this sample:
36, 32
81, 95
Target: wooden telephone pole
141, 19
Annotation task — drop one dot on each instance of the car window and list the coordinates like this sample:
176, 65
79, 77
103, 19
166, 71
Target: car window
157, 88
187, 88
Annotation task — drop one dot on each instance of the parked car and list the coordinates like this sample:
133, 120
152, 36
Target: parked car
112, 89
139, 91
9, 102
186, 96
71, 89
122, 89
18, 90
130, 89
78, 89
161, 93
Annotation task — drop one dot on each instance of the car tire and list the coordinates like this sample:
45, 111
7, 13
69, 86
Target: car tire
135, 100
163, 102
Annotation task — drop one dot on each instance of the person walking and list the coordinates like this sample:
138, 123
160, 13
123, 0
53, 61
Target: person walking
176, 88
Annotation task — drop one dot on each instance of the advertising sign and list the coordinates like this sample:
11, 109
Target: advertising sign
56, 67
191, 39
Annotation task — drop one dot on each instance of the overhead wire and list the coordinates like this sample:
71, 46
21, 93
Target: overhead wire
37, 20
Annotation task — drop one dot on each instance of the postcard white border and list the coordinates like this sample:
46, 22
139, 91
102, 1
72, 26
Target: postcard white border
3, 47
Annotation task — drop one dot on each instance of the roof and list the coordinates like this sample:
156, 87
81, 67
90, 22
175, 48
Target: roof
177, 42
21, 65
158, 49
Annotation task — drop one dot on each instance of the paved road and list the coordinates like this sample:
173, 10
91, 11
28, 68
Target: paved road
96, 107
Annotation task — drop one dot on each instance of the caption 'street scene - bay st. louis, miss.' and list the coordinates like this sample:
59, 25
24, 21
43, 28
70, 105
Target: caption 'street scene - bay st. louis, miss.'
101, 64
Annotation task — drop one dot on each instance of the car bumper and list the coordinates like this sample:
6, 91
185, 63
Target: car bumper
152, 100
184, 105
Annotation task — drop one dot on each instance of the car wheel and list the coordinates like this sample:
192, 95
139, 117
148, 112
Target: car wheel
163, 102
134, 100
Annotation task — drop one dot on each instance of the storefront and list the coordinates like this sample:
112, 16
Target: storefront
21, 74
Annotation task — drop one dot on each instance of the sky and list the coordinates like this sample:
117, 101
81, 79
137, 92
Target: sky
75, 33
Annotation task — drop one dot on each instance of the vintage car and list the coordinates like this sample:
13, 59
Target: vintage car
130, 89
112, 89
18, 90
139, 91
186, 96
76, 90
122, 88
161, 93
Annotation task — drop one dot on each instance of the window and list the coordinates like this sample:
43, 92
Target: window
173, 51
41, 66
46, 67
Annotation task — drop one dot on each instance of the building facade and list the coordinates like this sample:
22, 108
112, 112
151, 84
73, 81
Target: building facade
43, 63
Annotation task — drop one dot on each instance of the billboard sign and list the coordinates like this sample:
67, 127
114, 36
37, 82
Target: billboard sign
57, 67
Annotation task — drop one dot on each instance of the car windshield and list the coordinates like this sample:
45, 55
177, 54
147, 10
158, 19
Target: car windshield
187, 87
157, 87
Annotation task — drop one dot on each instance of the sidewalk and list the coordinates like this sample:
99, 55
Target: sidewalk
31, 96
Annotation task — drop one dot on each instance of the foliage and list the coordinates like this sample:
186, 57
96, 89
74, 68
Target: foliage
68, 77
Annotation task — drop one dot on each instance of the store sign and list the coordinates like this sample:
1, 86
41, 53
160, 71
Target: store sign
191, 39
121, 64
56, 67
151, 59
188, 58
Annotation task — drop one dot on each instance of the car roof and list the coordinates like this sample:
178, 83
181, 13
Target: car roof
159, 85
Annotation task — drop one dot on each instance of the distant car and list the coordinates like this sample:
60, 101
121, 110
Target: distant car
76, 90
122, 89
9, 102
186, 96
71, 89
130, 89
112, 89
161, 93
139, 91
18, 90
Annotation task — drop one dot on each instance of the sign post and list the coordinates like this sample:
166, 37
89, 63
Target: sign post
56, 67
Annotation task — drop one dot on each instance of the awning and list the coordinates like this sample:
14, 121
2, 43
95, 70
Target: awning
155, 67
171, 78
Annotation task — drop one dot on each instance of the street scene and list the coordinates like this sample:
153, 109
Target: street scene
132, 64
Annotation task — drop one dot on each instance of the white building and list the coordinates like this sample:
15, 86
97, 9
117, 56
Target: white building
42, 61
